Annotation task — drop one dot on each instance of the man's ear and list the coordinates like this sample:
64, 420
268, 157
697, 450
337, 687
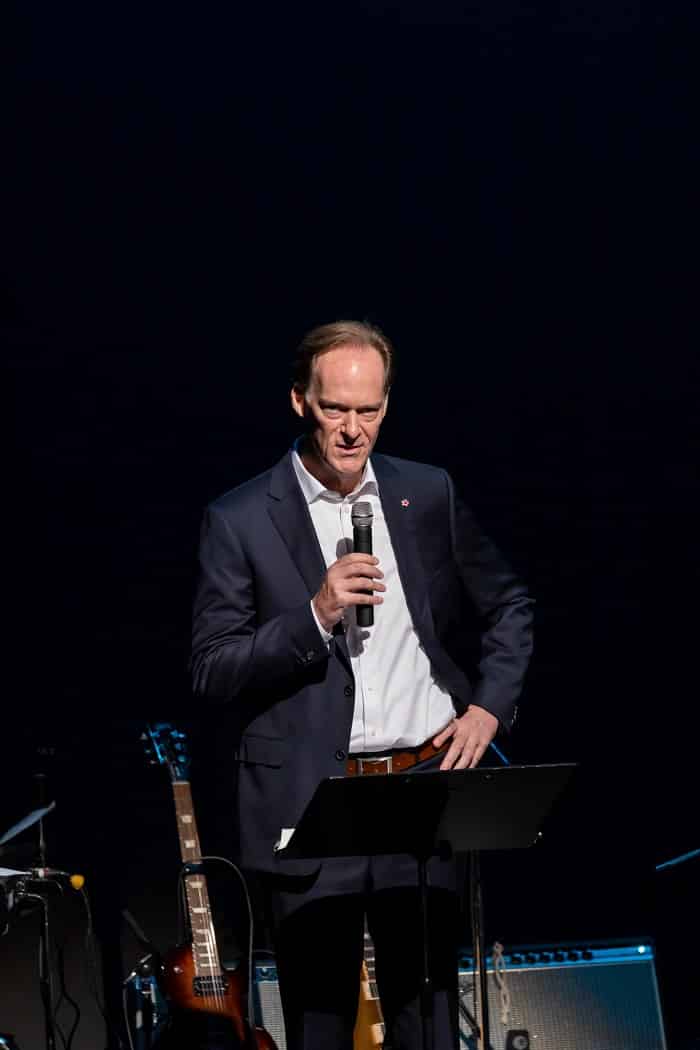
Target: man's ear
298, 400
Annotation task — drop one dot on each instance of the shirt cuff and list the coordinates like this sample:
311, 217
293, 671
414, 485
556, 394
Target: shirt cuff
326, 635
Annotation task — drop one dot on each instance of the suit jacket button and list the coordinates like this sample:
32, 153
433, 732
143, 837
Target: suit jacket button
340, 755
349, 690
310, 655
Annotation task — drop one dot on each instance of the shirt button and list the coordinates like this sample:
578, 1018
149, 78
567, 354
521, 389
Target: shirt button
340, 755
348, 690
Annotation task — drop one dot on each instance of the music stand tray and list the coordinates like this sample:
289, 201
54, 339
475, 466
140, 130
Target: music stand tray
472, 809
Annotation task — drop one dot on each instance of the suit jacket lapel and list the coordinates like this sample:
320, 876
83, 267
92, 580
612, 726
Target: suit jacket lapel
290, 515
396, 503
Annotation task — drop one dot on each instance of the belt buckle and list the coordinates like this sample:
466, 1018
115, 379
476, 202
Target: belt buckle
389, 759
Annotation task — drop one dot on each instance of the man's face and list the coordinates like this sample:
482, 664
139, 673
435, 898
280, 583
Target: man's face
344, 405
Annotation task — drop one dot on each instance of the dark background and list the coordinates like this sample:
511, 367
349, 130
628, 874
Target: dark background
511, 192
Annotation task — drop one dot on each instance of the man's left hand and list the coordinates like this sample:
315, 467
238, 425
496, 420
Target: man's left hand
471, 735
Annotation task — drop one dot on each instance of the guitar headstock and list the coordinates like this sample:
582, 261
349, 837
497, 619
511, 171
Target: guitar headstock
167, 746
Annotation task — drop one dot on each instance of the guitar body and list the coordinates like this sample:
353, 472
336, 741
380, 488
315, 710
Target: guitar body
222, 1001
180, 982
369, 1026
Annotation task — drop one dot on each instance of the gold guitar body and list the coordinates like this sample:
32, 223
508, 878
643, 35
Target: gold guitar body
369, 1026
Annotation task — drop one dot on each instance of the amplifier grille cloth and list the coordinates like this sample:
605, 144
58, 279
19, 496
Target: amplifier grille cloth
572, 1006
575, 1007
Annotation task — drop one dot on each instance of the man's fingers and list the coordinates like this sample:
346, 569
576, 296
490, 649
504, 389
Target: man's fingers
349, 560
356, 565
467, 748
453, 753
352, 572
478, 755
363, 583
360, 598
446, 733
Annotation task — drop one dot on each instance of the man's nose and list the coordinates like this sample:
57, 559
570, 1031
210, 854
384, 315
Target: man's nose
351, 425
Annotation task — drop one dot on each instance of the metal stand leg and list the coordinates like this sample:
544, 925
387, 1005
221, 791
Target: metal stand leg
426, 996
477, 922
45, 976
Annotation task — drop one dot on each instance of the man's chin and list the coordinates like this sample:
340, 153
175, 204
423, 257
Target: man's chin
349, 466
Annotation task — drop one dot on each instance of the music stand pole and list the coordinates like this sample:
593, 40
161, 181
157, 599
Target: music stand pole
426, 999
479, 948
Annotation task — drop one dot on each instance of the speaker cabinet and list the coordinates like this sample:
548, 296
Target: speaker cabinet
561, 998
603, 998
268, 1008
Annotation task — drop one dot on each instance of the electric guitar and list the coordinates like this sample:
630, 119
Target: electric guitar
369, 1026
194, 980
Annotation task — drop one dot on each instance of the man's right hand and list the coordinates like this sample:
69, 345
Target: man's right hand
344, 584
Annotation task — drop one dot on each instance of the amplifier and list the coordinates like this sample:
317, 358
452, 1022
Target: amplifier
268, 1008
597, 998
561, 998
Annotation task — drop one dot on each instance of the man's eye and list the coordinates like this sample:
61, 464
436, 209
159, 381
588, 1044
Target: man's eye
370, 414
332, 412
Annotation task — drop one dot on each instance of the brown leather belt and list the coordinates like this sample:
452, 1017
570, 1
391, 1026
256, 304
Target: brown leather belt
392, 761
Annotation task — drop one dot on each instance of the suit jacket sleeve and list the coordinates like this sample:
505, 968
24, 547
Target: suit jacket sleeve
504, 608
232, 651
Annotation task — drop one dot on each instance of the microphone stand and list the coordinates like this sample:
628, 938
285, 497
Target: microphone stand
44, 932
23, 893
45, 969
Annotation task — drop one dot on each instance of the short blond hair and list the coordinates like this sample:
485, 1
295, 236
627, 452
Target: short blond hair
331, 336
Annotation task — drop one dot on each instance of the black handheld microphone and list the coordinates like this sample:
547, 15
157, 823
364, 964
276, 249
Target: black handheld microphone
362, 543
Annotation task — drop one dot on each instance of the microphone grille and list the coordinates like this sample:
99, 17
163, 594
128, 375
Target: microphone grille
361, 513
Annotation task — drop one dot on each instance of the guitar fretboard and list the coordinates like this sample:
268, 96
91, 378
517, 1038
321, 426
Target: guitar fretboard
369, 963
204, 950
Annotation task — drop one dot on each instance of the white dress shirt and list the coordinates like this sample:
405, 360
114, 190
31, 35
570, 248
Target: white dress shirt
398, 703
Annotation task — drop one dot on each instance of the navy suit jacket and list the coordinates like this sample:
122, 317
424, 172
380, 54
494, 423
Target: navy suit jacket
288, 698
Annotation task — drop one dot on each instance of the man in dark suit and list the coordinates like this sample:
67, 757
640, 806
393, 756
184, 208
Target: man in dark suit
309, 694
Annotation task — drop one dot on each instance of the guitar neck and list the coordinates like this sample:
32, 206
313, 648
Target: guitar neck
369, 964
204, 949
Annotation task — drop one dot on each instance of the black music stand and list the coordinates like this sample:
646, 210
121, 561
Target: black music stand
472, 810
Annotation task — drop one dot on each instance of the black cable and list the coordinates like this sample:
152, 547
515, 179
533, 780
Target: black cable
250, 1032
61, 969
92, 969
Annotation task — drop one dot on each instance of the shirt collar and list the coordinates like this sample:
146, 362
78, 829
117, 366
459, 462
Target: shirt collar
313, 489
